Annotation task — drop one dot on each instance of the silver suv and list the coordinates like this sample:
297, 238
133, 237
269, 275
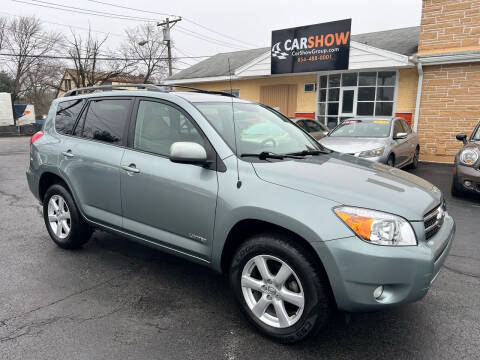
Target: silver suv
236, 186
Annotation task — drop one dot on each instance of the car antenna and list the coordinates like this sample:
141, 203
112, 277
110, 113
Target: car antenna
239, 183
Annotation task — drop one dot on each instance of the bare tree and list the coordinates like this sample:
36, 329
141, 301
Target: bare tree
145, 43
3, 31
41, 83
91, 65
29, 45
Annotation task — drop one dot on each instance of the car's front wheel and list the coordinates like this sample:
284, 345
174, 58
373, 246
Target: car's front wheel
391, 160
63, 220
416, 155
281, 290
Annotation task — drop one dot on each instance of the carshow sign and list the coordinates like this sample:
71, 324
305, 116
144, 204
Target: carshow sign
310, 48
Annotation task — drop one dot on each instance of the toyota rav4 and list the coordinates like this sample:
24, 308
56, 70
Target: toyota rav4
236, 186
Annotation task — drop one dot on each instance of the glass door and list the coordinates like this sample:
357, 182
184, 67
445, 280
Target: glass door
348, 102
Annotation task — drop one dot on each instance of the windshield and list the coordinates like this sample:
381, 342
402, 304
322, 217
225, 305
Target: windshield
363, 128
476, 135
258, 129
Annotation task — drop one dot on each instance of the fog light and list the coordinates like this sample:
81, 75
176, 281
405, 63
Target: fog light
378, 292
468, 183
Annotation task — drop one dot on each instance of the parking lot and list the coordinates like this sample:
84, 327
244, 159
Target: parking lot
118, 300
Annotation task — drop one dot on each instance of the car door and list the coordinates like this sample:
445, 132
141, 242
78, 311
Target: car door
411, 139
399, 146
171, 204
91, 158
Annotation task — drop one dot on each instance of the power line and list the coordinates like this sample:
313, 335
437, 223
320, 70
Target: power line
84, 11
210, 40
70, 26
68, 57
187, 19
130, 8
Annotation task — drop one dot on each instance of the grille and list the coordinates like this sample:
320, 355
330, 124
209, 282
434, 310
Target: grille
433, 220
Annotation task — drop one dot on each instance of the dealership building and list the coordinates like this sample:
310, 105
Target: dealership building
430, 75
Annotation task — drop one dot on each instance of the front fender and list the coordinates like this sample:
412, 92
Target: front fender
309, 216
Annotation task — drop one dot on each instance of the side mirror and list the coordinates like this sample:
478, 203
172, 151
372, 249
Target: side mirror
188, 153
400, 135
462, 137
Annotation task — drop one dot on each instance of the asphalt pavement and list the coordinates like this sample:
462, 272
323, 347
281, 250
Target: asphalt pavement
115, 299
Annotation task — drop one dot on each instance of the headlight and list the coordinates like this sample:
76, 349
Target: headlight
468, 157
377, 227
372, 153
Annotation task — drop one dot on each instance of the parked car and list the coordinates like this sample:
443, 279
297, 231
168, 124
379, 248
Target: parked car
314, 128
299, 229
466, 171
389, 141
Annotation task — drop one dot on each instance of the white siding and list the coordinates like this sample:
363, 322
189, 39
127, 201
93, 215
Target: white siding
361, 57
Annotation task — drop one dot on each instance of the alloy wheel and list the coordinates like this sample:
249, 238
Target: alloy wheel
272, 291
59, 216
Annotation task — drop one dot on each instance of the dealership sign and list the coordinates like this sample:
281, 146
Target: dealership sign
311, 48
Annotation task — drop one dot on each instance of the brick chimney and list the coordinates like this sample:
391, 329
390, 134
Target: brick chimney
449, 26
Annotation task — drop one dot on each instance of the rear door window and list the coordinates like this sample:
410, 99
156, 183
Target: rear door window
106, 120
67, 113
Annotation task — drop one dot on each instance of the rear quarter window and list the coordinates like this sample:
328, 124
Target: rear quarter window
67, 113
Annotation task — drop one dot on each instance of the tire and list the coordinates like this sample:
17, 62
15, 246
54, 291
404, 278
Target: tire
414, 163
58, 204
456, 188
391, 160
307, 279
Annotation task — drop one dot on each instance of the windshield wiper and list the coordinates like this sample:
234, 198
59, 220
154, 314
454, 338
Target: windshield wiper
310, 152
268, 155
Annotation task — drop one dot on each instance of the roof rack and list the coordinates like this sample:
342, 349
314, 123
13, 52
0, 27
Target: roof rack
88, 89
152, 87
223, 93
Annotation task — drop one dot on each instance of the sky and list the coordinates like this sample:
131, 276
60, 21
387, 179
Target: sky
213, 26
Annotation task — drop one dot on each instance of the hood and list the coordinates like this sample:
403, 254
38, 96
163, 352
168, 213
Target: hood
356, 182
352, 145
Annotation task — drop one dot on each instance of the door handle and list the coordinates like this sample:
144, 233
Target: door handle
131, 168
68, 154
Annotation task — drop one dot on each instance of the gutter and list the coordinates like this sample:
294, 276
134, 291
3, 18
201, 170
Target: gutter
414, 59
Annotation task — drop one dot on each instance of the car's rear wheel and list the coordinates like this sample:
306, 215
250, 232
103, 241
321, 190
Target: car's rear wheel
63, 220
280, 289
456, 188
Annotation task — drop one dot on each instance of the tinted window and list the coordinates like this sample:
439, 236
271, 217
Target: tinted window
67, 112
106, 119
302, 124
397, 128
159, 125
313, 126
406, 127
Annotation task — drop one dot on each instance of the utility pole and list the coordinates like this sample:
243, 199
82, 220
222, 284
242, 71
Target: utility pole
167, 25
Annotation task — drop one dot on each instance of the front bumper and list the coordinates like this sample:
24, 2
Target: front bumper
469, 173
355, 268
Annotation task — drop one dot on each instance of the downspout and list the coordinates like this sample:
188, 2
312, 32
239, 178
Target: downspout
419, 91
